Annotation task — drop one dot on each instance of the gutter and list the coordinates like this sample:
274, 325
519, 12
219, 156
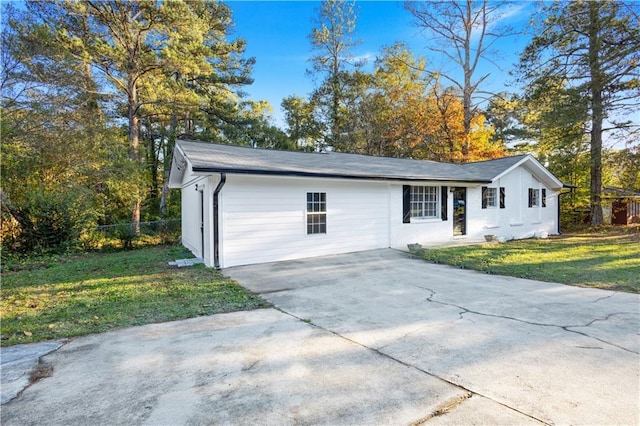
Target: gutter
198, 169
216, 233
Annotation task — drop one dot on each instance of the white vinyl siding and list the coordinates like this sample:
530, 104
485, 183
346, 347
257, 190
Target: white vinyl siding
265, 219
516, 220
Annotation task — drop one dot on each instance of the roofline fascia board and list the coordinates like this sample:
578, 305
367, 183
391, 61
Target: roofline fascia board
180, 161
544, 171
197, 169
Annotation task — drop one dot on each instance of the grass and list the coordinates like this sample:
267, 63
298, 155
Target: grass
603, 259
92, 293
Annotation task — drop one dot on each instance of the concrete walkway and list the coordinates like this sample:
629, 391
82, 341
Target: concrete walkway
366, 338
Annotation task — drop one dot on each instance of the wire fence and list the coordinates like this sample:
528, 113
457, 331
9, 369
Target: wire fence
127, 234
146, 228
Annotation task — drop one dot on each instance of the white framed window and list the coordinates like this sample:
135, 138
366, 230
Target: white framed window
489, 197
493, 197
316, 212
424, 202
534, 197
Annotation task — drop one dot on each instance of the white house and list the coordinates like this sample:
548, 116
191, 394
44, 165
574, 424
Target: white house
243, 205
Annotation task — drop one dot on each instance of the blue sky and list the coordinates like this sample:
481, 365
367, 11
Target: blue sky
277, 36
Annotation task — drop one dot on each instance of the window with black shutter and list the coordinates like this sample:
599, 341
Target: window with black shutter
443, 202
422, 202
406, 204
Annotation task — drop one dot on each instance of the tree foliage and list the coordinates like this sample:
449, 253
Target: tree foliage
400, 109
94, 95
157, 58
332, 40
591, 47
463, 32
302, 126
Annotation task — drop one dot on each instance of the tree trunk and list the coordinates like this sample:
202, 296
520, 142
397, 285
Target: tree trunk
466, 92
596, 116
168, 158
134, 145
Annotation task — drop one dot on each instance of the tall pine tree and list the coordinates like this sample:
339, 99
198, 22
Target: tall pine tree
594, 47
143, 48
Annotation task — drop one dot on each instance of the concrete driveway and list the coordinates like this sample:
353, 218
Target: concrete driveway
367, 338
522, 350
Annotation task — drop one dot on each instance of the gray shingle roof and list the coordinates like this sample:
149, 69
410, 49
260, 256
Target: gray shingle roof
215, 158
489, 169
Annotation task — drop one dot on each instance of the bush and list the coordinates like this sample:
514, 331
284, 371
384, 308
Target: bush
125, 233
50, 221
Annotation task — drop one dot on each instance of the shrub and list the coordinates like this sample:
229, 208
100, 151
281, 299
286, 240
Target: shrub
50, 221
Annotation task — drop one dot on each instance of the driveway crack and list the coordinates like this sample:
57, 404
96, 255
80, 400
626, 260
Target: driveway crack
605, 297
566, 328
443, 408
467, 393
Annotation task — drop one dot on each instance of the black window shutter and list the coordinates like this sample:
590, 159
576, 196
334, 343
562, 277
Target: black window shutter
484, 197
544, 197
502, 195
443, 203
530, 197
406, 204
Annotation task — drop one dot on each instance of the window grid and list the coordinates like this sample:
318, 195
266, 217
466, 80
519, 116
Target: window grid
424, 201
535, 197
316, 212
492, 197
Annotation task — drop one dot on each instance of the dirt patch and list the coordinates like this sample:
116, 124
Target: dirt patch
41, 371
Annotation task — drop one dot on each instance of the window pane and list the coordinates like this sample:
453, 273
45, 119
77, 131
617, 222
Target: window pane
316, 216
491, 195
424, 201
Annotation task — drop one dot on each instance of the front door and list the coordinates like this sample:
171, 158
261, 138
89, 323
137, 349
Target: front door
459, 211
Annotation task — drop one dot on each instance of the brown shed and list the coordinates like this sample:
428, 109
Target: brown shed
625, 205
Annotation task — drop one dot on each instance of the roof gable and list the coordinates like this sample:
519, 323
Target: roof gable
215, 158
538, 170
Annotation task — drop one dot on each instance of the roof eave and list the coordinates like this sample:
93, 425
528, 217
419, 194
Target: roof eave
293, 173
178, 168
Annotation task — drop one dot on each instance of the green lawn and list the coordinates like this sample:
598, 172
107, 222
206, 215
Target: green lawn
96, 292
606, 261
